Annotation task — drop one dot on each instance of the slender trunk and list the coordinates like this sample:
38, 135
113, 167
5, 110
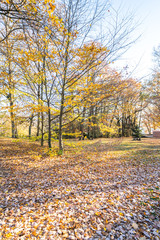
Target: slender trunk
42, 115
95, 130
38, 117
30, 128
49, 126
123, 125
13, 128
62, 96
113, 115
89, 127
140, 118
42, 127
12, 120
81, 124
38, 124
92, 121
148, 129
10, 95
30, 125
16, 132
60, 122
119, 129
47, 97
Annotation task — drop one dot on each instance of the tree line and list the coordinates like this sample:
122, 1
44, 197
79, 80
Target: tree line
56, 75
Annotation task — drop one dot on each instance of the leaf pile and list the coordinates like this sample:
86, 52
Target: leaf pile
111, 194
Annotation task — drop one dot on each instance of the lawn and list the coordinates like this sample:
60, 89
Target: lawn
99, 189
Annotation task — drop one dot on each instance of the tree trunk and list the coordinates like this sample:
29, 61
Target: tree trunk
94, 129
60, 123
30, 128
42, 116
30, 125
49, 126
119, 127
42, 127
81, 124
123, 125
38, 119
10, 95
89, 127
13, 127
62, 96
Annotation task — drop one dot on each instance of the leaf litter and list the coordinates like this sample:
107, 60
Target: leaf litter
106, 191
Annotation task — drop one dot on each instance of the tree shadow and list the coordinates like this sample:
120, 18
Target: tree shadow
13, 148
36, 183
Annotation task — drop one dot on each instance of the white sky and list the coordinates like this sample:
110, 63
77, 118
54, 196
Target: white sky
148, 13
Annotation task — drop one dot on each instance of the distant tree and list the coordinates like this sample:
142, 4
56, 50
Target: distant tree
136, 133
156, 55
153, 90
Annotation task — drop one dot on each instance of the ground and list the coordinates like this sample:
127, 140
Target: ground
100, 189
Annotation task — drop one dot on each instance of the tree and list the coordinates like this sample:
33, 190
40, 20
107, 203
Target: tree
9, 78
34, 64
79, 50
152, 113
154, 100
60, 62
22, 10
136, 133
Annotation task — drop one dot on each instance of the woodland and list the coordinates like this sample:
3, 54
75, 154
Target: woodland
57, 78
69, 168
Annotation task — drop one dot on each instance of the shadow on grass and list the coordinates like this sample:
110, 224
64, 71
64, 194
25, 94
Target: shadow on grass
10, 148
35, 183
35, 175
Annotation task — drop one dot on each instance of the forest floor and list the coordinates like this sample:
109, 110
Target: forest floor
99, 189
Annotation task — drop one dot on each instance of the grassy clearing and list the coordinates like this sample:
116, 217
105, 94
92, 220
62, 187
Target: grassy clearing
99, 189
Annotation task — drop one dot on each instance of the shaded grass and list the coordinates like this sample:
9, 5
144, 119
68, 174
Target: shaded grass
101, 171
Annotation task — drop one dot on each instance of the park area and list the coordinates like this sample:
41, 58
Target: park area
99, 189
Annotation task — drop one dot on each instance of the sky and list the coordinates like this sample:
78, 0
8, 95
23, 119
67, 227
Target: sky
140, 55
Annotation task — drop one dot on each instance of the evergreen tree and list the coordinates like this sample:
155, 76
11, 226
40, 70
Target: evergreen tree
136, 133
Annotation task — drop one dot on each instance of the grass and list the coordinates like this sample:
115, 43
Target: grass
96, 186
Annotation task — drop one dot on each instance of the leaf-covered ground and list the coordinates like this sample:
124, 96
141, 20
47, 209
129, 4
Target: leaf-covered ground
101, 189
